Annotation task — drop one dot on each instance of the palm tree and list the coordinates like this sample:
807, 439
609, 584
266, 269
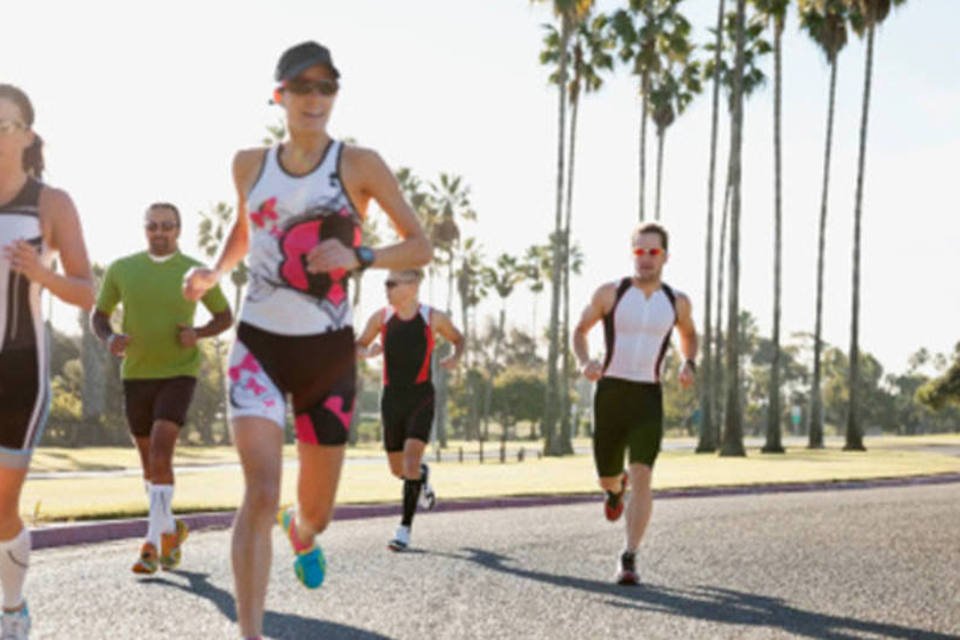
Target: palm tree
707, 442
825, 22
867, 14
733, 419
472, 290
752, 77
502, 278
592, 44
537, 263
570, 14
645, 30
671, 91
774, 13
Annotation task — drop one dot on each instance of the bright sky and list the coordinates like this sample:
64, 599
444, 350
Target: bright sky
147, 101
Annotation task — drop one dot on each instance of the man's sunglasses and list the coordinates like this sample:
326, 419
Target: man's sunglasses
392, 284
640, 252
304, 87
165, 226
9, 126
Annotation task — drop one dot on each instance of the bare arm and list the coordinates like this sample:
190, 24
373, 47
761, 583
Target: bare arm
246, 166
688, 339
599, 306
60, 217
366, 176
444, 326
369, 334
116, 342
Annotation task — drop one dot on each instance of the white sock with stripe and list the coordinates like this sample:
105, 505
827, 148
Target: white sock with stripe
161, 514
14, 561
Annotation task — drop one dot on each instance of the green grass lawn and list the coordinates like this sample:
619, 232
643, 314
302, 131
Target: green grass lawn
199, 489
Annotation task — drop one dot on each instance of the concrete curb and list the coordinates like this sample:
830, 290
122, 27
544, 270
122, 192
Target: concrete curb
103, 531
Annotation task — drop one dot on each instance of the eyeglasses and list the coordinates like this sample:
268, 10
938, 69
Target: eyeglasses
9, 126
165, 226
300, 87
640, 252
392, 284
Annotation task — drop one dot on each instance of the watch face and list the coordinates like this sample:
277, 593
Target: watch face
365, 254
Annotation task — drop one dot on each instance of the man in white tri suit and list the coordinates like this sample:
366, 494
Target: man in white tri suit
639, 314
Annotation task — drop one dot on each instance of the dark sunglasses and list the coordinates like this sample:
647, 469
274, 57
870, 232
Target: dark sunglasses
391, 284
304, 87
640, 252
9, 126
165, 226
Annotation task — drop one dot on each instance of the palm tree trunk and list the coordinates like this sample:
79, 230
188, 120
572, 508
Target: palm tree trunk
708, 442
661, 134
774, 443
488, 396
551, 446
718, 372
854, 431
644, 87
733, 423
566, 428
815, 432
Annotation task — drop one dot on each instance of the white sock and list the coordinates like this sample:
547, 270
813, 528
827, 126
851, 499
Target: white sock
161, 513
14, 561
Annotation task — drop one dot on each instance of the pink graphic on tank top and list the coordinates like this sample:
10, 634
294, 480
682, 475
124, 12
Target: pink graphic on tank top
301, 237
249, 363
267, 211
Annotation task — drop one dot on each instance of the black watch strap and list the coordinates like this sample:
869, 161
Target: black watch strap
692, 363
365, 256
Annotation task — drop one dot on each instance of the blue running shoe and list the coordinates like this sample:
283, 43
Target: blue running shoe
309, 564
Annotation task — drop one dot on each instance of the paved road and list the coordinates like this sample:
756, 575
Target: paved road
873, 563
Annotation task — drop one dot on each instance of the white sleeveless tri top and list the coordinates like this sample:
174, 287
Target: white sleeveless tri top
637, 333
289, 216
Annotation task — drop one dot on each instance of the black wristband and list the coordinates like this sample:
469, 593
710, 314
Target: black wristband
692, 363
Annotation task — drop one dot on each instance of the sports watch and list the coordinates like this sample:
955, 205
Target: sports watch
365, 256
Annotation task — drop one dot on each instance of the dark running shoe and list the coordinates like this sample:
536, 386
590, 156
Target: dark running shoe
627, 571
613, 505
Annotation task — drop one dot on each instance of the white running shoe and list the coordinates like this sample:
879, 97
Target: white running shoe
428, 499
401, 539
15, 625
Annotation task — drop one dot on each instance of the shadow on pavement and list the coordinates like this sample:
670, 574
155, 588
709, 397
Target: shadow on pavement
285, 626
707, 603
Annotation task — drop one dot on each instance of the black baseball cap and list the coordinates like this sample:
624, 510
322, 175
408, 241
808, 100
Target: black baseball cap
303, 56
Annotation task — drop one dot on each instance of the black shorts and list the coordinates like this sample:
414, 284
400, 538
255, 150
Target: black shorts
24, 402
149, 400
318, 372
407, 412
627, 414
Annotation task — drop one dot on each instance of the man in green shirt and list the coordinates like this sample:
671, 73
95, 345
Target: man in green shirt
158, 344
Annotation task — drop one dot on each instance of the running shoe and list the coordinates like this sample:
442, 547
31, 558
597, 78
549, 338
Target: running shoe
401, 539
428, 499
147, 564
613, 505
309, 565
170, 543
15, 625
627, 570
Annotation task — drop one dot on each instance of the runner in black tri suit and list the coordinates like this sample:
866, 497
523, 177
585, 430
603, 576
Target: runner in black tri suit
638, 315
37, 222
406, 329
299, 213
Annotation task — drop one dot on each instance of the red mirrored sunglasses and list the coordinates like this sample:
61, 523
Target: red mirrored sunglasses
640, 251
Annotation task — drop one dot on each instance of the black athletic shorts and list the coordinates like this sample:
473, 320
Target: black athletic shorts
149, 400
318, 372
407, 412
24, 403
627, 415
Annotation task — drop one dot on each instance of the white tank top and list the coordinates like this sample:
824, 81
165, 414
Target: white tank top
637, 332
21, 318
289, 216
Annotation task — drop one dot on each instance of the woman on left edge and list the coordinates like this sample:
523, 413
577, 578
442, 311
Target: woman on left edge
37, 223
